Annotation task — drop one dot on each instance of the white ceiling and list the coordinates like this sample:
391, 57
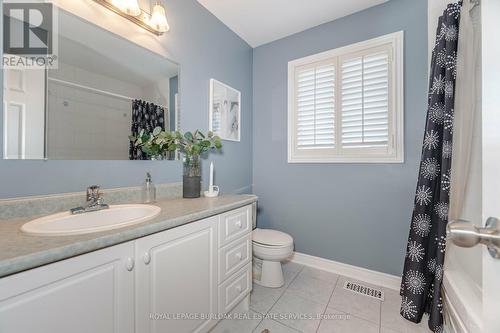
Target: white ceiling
262, 21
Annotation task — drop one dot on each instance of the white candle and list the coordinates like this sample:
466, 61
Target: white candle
211, 186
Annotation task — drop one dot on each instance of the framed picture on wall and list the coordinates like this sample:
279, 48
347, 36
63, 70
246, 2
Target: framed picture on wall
225, 111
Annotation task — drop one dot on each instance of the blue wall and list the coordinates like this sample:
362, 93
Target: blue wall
206, 49
353, 213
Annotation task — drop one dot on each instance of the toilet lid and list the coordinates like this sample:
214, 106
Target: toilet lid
271, 237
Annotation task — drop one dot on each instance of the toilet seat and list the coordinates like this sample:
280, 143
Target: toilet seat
275, 253
271, 238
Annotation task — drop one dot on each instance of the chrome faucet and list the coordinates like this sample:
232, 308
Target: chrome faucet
94, 203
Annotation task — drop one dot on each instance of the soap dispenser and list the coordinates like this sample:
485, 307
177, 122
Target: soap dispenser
148, 190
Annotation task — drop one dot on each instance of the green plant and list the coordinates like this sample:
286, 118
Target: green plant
159, 143
155, 144
197, 143
193, 145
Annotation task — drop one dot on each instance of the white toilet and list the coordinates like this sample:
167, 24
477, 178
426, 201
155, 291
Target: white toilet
270, 247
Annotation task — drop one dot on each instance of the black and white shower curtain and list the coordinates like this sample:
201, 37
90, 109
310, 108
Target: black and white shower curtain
145, 116
423, 269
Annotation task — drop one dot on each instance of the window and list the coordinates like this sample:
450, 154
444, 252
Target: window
346, 105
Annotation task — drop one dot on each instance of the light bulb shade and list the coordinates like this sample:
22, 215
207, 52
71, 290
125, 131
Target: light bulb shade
158, 19
129, 7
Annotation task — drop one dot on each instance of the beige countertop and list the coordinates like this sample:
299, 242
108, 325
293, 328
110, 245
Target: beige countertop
19, 251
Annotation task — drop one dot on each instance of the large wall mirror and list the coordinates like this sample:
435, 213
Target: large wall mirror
104, 89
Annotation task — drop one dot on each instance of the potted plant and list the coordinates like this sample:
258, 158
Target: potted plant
193, 145
157, 145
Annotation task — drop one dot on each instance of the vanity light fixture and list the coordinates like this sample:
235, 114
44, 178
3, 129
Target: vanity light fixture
159, 18
129, 7
155, 22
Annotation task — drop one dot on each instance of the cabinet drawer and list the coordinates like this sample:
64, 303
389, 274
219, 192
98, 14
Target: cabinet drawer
234, 256
235, 289
234, 224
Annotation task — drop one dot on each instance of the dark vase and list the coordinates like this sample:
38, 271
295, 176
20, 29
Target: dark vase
191, 179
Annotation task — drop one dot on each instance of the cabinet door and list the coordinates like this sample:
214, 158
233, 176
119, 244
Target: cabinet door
177, 276
89, 293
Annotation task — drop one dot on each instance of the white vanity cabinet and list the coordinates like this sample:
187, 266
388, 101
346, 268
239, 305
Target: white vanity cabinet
235, 256
89, 293
177, 280
176, 276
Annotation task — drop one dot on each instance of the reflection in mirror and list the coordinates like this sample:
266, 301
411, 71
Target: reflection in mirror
24, 113
104, 90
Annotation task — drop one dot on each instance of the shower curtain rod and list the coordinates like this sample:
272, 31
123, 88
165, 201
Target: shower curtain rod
76, 85
104, 92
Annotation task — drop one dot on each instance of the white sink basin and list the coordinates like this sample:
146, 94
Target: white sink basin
63, 224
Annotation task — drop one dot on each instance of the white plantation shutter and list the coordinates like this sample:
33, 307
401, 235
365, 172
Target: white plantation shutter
315, 105
346, 105
365, 101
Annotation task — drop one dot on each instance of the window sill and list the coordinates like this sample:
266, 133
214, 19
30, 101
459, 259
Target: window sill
347, 160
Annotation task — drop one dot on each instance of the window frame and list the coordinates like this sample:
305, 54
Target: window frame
395, 152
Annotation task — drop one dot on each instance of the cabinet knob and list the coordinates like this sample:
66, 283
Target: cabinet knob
147, 258
238, 256
129, 264
238, 289
238, 224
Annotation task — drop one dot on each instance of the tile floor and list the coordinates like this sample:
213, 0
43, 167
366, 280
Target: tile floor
308, 292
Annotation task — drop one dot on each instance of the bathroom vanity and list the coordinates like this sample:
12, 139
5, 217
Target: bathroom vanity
176, 273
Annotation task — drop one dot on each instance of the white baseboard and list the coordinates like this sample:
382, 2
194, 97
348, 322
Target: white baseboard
358, 273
